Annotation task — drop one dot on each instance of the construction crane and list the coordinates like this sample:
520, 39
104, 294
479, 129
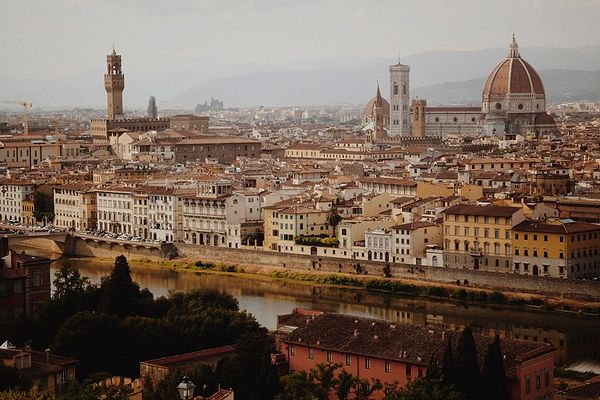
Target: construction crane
26, 106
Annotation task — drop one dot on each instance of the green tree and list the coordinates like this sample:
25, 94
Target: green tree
433, 369
324, 377
334, 218
298, 386
69, 284
22, 395
345, 383
119, 293
43, 206
366, 387
468, 378
427, 389
494, 382
12, 378
448, 364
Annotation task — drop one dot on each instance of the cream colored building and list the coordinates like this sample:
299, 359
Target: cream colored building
115, 209
75, 207
12, 195
410, 241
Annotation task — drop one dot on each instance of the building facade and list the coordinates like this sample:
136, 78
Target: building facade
479, 236
12, 195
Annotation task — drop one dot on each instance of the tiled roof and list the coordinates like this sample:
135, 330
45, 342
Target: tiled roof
556, 227
194, 356
490, 211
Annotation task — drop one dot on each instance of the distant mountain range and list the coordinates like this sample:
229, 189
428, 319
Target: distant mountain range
440, 76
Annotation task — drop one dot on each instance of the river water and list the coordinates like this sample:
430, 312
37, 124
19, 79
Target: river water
576, 338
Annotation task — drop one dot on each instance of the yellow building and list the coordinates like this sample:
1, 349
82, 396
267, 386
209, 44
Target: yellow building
557, 248
479, 236
283, 224
27, 210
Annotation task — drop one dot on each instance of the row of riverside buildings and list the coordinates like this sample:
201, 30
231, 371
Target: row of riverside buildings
388, 220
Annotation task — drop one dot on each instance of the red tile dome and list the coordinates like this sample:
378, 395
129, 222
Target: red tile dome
513, 75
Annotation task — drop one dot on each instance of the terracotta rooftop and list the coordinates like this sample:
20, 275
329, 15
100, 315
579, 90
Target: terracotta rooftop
559, 226
486, 211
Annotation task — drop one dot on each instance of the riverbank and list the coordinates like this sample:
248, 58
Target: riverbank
458, 293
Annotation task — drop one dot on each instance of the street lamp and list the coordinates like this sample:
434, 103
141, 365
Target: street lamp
186, 389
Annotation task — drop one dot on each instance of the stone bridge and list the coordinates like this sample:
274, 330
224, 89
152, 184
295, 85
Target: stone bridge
56, 242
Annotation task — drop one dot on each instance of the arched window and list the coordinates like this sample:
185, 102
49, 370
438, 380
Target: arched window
395, 89
404, 90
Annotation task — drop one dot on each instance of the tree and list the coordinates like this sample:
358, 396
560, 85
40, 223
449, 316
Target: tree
298, 386
468, 378
43, 206
69, 284
119, 293
433, 369
426, 389
365, 388
494, 382
12, 378
448, 364
22, 395
325, 379
333, 218
345, 383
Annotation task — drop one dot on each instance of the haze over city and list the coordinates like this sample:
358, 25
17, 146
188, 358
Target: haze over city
169, 47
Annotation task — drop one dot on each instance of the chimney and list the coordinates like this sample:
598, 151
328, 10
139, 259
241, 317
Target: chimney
47, 356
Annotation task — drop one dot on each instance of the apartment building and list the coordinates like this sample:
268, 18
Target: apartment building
140, 215
559, 248
163, 217
479, 236
75, 206
401, 187
411, 240
207, 211
12, 195
115, 209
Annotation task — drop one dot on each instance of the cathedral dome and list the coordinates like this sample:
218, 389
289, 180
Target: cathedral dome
513, 75
368, 110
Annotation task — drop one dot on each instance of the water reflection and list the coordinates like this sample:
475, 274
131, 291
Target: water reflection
575, 337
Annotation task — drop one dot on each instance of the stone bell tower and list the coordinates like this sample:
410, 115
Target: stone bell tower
399, 100
114, 83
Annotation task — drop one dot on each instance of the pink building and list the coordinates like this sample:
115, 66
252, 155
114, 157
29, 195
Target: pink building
395, 352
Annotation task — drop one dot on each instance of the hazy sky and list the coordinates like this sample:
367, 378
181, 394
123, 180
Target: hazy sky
57, 38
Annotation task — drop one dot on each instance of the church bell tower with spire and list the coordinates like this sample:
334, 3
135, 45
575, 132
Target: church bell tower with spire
114, 83
378, 129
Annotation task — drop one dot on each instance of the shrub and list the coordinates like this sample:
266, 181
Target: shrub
204, 265
317, 240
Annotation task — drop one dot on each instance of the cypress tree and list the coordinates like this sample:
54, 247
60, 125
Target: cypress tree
494, 382
119, 293
468, 376
448, 365
433, 369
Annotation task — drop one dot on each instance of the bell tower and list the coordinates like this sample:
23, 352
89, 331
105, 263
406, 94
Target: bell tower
114, 83
399, 100
377, 116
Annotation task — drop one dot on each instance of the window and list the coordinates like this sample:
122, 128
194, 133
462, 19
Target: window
388, 366
546, 377
538, 382
408, 370
37, 278
329, 356
527, 385
311, 353
348, 359
293, 349
367, 363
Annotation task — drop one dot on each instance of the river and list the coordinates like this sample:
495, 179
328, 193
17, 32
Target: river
575, 337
